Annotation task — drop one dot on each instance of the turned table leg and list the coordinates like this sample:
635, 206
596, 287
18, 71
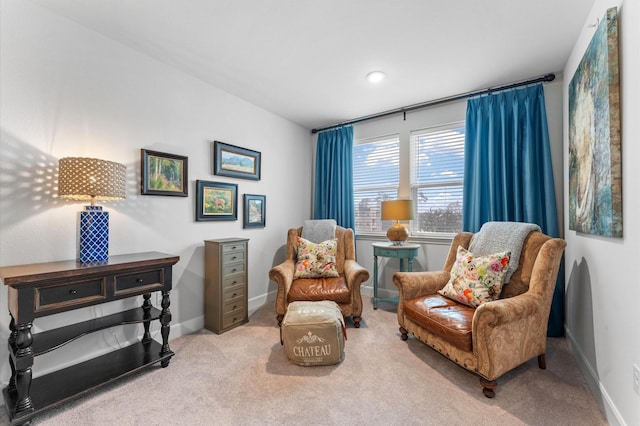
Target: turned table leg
11, 387
165, 319
146, 308
22, 355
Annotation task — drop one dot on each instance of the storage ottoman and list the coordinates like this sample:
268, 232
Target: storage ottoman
313, 333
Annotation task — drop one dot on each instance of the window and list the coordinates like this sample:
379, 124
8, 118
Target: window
376, 177
437, 172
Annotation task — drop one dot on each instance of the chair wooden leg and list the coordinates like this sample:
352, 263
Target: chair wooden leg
279, 318
404, 334
488, 387
542, 361
356, 321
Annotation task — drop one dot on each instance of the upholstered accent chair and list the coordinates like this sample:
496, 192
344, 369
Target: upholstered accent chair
344, 289
496, 336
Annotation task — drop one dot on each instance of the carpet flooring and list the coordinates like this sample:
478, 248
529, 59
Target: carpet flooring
243, 377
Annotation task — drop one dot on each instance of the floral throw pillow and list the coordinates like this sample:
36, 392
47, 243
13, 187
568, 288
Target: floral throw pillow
316, 260
475, 280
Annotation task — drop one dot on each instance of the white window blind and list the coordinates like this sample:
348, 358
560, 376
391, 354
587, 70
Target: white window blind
376, 177
437, 173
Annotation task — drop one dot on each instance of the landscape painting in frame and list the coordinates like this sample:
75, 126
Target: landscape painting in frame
234, 161
254, 211
216, 201
595, 167
163, 173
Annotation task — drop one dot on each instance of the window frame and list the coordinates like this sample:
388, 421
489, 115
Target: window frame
406, 188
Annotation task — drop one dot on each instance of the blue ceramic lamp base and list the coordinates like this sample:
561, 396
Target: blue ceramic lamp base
93, 244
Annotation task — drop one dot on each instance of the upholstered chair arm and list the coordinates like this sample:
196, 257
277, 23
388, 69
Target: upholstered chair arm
508, 332
504, 311
416, 284
354, 273
283, 276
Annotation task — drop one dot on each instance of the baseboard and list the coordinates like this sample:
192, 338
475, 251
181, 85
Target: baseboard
593, 381
195, 324
257, 302
382, 292
186, 327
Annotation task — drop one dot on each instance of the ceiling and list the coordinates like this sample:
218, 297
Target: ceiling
307, 60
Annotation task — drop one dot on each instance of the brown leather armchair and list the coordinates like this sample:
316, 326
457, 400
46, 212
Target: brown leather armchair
344, 290
496, 336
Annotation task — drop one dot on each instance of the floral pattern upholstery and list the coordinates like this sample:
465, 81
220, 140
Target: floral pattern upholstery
475, 280
316, 260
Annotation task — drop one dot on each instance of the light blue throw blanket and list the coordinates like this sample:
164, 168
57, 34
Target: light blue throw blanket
496, 237
319, 230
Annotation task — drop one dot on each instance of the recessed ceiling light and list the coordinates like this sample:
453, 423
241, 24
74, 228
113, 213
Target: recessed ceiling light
375, 76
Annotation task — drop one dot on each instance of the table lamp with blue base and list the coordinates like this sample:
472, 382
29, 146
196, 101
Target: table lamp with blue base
92, 179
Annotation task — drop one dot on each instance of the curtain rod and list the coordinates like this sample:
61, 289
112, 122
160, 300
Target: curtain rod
545, 78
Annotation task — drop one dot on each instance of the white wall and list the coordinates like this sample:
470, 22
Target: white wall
68, 91
602, 303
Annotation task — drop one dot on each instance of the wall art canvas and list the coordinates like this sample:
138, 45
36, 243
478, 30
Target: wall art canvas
595, 166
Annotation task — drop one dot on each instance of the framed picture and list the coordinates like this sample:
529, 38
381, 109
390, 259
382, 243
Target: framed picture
216, 201
254, 211
163, 174
233, 161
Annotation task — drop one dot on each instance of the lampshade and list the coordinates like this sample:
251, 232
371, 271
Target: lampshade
397, 210
91, 179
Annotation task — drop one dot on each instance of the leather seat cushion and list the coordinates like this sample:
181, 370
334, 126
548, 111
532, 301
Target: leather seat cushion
316, 289
443, 317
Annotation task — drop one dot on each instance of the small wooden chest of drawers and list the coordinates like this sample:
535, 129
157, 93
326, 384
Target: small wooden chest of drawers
225, 287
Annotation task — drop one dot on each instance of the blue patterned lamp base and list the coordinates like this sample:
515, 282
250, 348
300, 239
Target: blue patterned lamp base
93, 243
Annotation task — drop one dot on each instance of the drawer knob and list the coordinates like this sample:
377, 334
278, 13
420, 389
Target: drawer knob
139, 280
234, 282
233, 270
234, 257
234, 294
73, 291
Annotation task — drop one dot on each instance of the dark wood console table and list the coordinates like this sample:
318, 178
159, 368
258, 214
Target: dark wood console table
42, 289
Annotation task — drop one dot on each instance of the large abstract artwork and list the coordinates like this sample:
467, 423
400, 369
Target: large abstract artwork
595, 175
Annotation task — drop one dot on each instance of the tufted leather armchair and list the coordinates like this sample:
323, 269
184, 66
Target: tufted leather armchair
344, 290
497, 336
